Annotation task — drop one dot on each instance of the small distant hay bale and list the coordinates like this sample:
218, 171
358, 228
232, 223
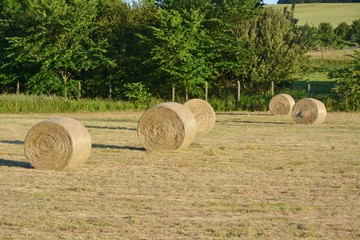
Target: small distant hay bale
281, 104
309, 111
167, 126
203, 112
57, 144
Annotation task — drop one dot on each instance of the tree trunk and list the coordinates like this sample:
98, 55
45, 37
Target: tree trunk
65, 76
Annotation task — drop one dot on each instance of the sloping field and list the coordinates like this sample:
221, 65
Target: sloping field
333, 54
254, 176
333, 13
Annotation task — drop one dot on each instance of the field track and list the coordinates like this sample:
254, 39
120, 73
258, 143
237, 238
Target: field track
254, 176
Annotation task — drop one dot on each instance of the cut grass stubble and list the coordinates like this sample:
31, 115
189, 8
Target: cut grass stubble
254, 175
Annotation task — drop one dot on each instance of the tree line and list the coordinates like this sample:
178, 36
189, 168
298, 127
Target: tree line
121, 50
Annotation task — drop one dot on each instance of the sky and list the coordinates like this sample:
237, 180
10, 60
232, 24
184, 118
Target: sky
270, 1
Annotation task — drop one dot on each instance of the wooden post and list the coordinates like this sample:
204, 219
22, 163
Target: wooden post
206, 91
110, 90
79, 87
272, 88
17, 87
309, 88
238, 91
173, 94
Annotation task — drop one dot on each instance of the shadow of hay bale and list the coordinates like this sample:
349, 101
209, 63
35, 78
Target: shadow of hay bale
102, 146
12, 163
14, 142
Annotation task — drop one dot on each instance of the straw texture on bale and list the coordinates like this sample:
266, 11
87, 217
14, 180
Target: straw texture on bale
57, 144
203, 112
281, 104
309, 111
167, 126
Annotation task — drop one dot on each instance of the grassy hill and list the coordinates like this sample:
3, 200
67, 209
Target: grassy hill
333, 13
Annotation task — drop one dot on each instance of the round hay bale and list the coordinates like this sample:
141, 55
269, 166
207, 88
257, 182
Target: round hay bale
167, 126
203, 112
281, 104
57, 144
309, 111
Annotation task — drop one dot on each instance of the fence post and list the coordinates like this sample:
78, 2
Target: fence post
272, 88
79, 88
17, 87
110, 90
309, 88
173, 94
206, 90
238, 91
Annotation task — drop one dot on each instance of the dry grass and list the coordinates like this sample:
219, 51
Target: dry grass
254, 176
332, 54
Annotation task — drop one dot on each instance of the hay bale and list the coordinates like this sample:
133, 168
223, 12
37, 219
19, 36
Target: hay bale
203, 112
167, 126
281, 104
309, 111
57, 144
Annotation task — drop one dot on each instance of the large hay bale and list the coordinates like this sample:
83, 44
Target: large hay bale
167, 126
57, 144
309, 111
281, 104
203, 112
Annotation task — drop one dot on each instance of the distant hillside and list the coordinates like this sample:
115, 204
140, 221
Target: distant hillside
315, 13
316, 1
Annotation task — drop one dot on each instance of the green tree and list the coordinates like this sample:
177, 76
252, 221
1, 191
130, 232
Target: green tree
113, 21
342, 33
348, 83
182, 4
225, 24
327, 37
178, 53
355, 31
232, 11
60, 43
12, 23
277, 48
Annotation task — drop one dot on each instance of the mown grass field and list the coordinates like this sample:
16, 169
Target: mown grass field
315, 13
254, 176
341, 55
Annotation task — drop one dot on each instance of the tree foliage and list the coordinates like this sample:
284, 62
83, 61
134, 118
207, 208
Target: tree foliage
58, 45
354, 31
327, 36
348, 83
277, 47
178, 49
98, 48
